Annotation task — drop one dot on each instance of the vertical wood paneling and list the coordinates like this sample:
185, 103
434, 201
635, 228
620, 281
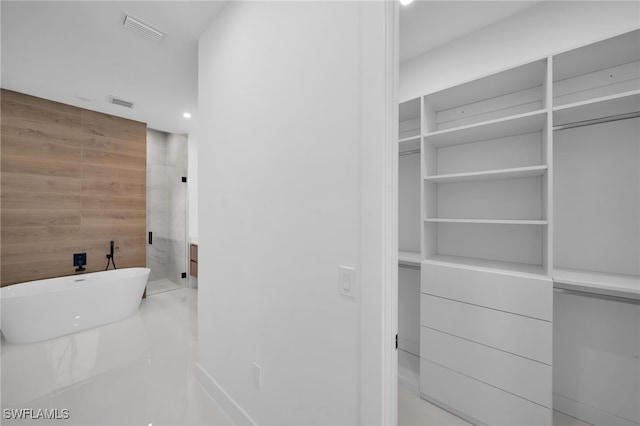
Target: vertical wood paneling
72, 181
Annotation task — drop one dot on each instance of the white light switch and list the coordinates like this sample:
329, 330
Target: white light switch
347, 281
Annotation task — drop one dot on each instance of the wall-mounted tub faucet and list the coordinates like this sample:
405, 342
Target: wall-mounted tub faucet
110, 257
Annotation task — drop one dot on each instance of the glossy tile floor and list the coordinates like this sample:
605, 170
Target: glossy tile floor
138, 371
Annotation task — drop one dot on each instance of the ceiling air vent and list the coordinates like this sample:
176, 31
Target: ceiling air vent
142, 29
121, 102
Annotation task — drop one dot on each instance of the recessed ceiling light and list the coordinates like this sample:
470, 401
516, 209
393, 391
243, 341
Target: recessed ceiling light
186, 115
406, 2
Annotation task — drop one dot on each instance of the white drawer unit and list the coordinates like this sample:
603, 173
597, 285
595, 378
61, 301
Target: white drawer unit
523, 336
520, 376
478, 401
524, 294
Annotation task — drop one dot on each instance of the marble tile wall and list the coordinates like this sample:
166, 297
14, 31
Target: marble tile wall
166, 205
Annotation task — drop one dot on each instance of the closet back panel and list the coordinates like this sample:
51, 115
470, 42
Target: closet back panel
507, 243
514, 91
497, 199
595, 356
409, 118
601, 69
490, 109
409, 203
606, 82
502, 153
597, 197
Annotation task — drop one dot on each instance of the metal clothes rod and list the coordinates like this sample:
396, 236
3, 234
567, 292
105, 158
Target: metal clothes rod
598, 121
597, 295
407, 266
413, 151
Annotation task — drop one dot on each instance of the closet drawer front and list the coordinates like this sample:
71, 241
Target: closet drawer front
525, 295
520, 376
527, 337
483, 403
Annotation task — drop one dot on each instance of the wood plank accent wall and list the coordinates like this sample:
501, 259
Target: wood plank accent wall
72, 180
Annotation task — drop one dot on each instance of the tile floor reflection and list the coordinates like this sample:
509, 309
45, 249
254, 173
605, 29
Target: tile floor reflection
138, 371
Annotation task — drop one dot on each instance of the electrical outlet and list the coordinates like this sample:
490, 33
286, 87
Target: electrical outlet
257, 375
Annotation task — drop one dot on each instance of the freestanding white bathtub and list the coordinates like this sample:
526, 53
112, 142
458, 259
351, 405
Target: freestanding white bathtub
40, 310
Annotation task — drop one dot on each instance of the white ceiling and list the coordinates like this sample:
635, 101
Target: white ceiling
78, 53
427, 24
65, 51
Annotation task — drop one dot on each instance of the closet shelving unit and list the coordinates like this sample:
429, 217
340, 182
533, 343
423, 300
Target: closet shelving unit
485, 170
598, 86
529, 180
486, 298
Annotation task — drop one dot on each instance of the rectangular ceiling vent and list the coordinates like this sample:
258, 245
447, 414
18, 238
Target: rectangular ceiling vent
121, 102
142, 29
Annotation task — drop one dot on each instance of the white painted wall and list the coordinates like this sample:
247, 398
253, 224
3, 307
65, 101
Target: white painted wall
294, 163
549, 27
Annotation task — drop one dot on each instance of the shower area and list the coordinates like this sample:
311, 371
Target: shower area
166, 211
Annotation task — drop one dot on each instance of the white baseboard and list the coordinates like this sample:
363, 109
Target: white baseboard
222, 398
587, 413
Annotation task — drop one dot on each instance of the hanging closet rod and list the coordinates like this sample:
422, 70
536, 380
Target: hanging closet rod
413, 151
597, 295
407, 266
598, 120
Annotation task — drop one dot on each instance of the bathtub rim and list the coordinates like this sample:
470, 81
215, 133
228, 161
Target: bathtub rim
4, 291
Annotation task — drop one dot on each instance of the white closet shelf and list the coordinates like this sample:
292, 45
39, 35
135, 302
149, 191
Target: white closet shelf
488, 221
617, 285
514, 173
411, 144
409, 139
409, 258
592, 109
510, 126
520, 269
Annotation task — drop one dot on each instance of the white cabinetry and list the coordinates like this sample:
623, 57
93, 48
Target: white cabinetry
487, 300
596, 237
530, 181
